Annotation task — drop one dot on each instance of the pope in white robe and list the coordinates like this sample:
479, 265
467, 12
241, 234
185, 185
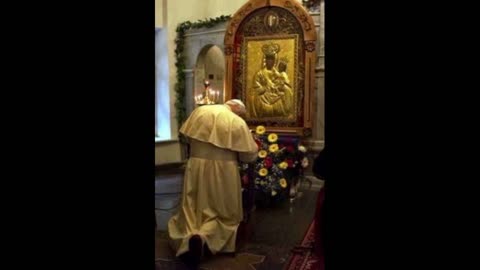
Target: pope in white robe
211, 204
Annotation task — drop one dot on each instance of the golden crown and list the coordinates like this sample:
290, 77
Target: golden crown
283, 60
271, 49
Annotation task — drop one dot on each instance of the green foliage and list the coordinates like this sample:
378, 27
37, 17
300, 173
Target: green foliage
180, 63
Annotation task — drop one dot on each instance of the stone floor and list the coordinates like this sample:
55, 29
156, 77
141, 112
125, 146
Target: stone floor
271, 232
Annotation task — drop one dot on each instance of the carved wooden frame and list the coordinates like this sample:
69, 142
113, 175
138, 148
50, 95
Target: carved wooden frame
307, 49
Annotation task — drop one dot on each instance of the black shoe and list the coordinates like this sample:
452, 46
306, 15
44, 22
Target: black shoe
185, 259
188, 261
195, 247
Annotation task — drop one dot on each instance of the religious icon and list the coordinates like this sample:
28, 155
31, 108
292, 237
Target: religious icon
271, 19
271, 65
271, 89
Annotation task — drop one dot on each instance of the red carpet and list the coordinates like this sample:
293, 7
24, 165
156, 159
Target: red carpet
307, 259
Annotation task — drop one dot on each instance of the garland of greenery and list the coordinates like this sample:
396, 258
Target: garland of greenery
180, 63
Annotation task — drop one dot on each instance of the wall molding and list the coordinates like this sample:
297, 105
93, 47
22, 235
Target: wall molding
205, 32
314, 145
167, 168
169, 141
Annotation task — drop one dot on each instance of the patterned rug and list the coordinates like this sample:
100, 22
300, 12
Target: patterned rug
306, 260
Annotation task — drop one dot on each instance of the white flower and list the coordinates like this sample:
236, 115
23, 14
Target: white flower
274, 193
302, 149
305, 162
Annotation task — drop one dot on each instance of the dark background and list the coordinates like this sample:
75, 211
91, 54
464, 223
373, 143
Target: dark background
401, 128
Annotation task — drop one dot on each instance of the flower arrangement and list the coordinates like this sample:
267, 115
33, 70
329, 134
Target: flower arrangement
280, 161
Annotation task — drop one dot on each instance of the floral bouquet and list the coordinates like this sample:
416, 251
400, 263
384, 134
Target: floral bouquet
280, 162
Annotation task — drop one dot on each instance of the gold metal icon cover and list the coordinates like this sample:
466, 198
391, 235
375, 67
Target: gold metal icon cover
271, 78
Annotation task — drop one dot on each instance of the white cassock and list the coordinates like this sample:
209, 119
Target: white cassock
211, 203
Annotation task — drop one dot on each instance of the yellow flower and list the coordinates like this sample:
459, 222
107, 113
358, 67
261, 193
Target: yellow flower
262, 153
283, 183
263, 172
273, 148
260, 130
283, 165
272, 137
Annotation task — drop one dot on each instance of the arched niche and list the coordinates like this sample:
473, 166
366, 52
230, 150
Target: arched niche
210, 66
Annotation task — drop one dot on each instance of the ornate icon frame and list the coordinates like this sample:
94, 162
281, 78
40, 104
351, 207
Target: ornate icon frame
270, 20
